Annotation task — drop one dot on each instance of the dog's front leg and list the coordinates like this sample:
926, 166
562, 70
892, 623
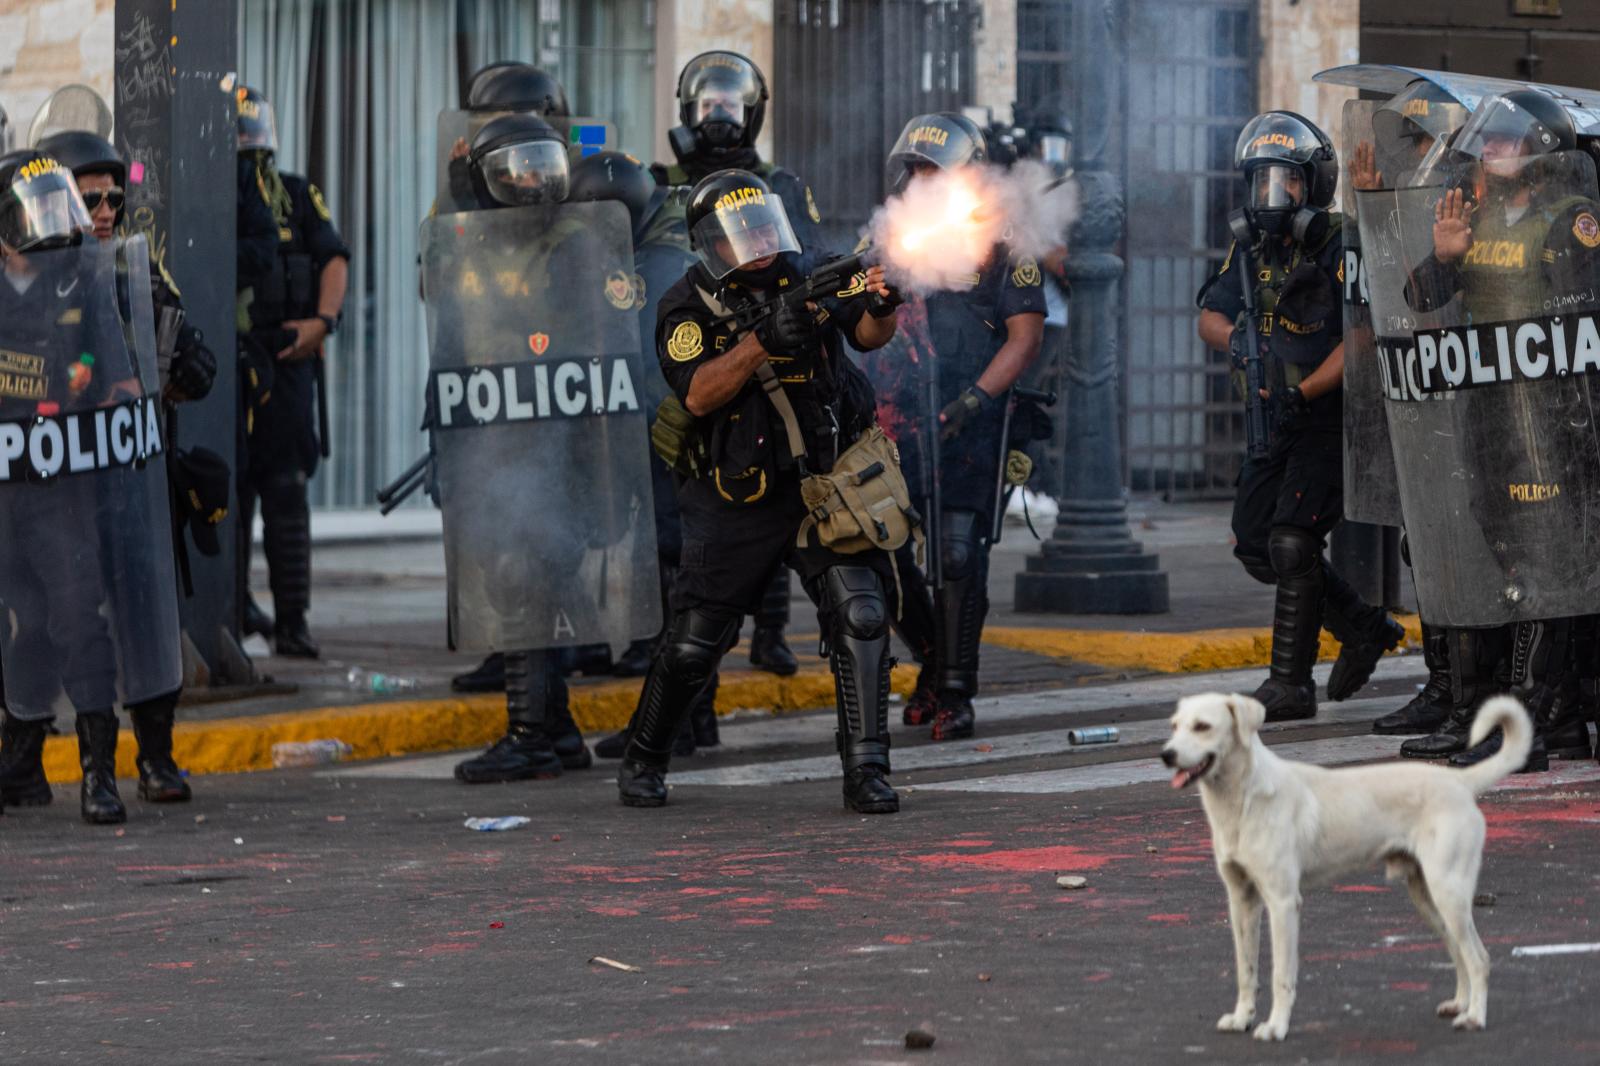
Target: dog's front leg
1283, 910
1244, 914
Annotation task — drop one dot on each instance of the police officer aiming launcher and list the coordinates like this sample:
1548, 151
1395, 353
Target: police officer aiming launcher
787, 450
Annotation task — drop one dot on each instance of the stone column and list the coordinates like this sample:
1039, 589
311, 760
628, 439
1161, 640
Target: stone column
1091, 564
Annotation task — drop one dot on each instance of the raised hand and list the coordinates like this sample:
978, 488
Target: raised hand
1452, 226
1364, 173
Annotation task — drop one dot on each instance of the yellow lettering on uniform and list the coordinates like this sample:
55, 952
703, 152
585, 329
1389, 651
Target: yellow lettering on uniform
1512, 255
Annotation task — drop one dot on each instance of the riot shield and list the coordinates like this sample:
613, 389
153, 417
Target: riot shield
1490, 361
585, 137
1582, 104
87, 581
539, 427
1371, 493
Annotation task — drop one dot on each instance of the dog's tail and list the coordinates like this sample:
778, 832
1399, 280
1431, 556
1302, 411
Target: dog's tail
1507, 714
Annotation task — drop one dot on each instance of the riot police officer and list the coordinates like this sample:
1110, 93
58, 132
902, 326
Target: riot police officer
770, 405
1515, 233
292, 306
101, 176
517, 160
722, 105
978, 341
1289, 499
81, 548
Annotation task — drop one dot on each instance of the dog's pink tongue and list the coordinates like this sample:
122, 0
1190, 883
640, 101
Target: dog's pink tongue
1180, 778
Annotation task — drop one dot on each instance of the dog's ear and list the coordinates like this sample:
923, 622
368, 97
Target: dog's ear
1248, 715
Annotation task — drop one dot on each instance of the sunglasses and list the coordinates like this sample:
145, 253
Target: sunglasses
114, 197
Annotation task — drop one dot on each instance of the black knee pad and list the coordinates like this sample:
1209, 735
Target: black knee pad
695, 643
1259, 568
959, 549
855, 596
1294, 552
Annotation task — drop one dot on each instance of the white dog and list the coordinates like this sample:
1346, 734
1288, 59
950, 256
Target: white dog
1276, 824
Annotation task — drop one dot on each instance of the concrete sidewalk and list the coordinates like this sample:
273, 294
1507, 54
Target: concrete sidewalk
379, 606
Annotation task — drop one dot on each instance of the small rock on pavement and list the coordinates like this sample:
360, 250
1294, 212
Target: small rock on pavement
985, 977
919, 1040
1071, 883
1483, 899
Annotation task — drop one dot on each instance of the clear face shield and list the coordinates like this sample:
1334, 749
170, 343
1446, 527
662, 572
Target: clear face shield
532, 173
258, 128
744, 235
720, 91
1277, 191
43, 211
1503, 137
1055, 151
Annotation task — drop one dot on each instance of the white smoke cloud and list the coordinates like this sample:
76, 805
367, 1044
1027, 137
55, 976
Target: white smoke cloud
942, 228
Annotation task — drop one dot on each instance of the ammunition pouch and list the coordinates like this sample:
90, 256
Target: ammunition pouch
863, 502
675, 436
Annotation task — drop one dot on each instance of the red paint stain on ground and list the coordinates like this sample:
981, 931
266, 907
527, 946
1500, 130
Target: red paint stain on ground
1168, 919
965, 844
704, 891
1025, 860
615, 912
170, 966
752, 921
1098, 976
1540, 822
900, 938
1409, 986
1359, 888
832, 891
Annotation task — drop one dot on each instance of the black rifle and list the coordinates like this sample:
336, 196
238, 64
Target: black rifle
322, 404
830, 279
1002, 493
401, 488
1257, 417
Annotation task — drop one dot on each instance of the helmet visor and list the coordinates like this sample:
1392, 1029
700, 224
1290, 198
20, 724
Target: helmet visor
1500, 130
258, 130
718, 103
43, 208
728, 79
743, 231
534, 172
1055, 149
1277, 187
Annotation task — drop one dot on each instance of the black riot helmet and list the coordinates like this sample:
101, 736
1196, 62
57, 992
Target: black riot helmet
258, 130
40, 206
517, 87
722, 104
518, 160
946, 140
1517, 124
614, 176
1049, 126
735, 220
1291, 171
86, 153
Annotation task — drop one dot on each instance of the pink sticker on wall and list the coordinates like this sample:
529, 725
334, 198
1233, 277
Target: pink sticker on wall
136, 173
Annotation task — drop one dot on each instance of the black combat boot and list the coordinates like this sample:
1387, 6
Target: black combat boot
286, 538
255, 619
1364, 633
1545, 678
22, 780
565, 736
160, 780
923, 706
858, 630
1429, 708
1473, 655
613, 746
696, 640
961, 606
525, 752
768, 650
1289, 694
97, 754
487, 676
918, 626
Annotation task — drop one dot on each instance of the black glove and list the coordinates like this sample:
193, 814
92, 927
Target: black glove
880, 306
1239, 342
194, 368
1293, 408
789, 330
972, 402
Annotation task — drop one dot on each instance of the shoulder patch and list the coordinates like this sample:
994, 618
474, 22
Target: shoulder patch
318, 203
811, 206
1586, 229
686, 342
1026, 272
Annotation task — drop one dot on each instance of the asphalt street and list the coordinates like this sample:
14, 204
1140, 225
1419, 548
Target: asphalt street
346, 915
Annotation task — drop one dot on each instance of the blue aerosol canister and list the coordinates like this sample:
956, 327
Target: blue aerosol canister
1095, 734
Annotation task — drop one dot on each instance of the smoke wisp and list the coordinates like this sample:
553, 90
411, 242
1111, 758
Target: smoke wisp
942, 228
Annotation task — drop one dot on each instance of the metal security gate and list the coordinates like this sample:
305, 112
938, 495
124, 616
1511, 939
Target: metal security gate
1190, 85
847, 74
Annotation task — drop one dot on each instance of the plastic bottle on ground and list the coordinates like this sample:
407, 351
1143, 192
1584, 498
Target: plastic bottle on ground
380, 684
293, 753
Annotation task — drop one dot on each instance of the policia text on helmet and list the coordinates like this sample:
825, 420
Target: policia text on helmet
738, 226
40, 207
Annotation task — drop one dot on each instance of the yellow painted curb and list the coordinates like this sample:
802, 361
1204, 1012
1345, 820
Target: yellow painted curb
1164, 653
408, 727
